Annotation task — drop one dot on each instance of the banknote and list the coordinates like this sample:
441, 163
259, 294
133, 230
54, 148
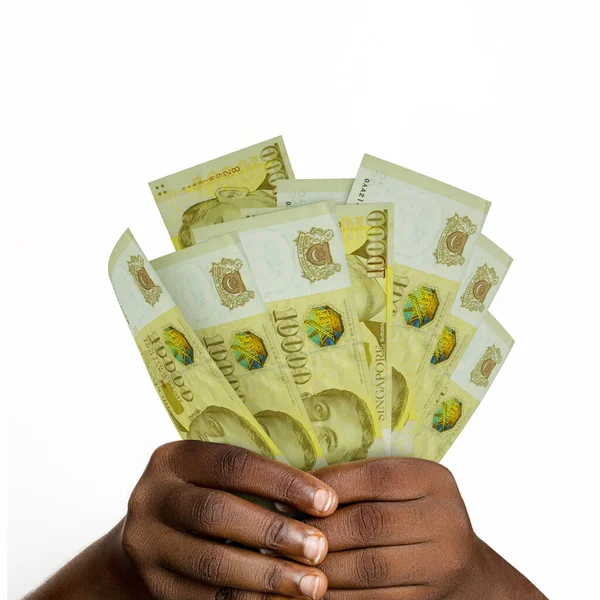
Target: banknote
298, 192
214, 288
484, 276
367, 233
215, 191
436, 231
198, 398
451, 407
298, 260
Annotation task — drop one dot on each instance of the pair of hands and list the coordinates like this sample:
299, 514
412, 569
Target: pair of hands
380, 529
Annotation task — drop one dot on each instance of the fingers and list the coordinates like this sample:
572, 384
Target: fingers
370, 524
378, 567
166, 585
384, 479
217, 514
408, 592
219, 565
234, 469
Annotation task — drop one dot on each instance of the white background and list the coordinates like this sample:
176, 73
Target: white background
498, 98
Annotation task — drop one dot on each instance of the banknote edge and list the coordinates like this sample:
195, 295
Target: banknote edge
277, 139
494, 250
279, 216
122, 243
427, 183
199, 249
498, 328
315, 185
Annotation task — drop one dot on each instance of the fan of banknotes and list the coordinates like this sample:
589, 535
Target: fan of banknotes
316, 321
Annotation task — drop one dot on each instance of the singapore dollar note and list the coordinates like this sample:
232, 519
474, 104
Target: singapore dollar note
484, 276
367, 233
198, 398
299, 263
215, 191
436, 230
298, 192
215, 290
449, 409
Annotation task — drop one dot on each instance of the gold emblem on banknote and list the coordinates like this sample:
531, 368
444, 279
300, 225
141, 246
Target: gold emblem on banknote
481, 283
149, 289
453, 240
228, 281
314, 254
485, 366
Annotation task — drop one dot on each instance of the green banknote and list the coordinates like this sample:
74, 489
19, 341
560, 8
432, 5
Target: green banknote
215, 191
298, 192
198, 398
299, 263
436, 231
449, 409
215, 290
484, 276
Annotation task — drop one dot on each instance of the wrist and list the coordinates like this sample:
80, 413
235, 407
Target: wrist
123, 573
493, 578
103, 570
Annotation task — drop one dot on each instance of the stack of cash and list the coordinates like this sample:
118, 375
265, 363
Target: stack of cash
316, 321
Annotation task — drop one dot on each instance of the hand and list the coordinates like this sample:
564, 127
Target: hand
402, 532
183, 509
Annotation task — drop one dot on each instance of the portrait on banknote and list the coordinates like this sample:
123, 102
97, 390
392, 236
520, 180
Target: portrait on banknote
343, 424
222, 425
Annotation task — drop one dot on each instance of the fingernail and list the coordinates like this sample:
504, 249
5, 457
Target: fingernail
314, 548
309, 586
322, 500
267, 552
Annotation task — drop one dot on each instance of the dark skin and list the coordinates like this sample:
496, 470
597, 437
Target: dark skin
384, 529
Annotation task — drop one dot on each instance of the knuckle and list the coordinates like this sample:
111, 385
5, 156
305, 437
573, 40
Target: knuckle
414, 512
209, 510
133, 541
234, 462
373, 569
451, 517
368, 475
210, 565
236, 594
160, 586
453, 564
366, 523
274, 578
137, 501
275, 534
443, 477
291, 486
377, 474
457, 565
162, 455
